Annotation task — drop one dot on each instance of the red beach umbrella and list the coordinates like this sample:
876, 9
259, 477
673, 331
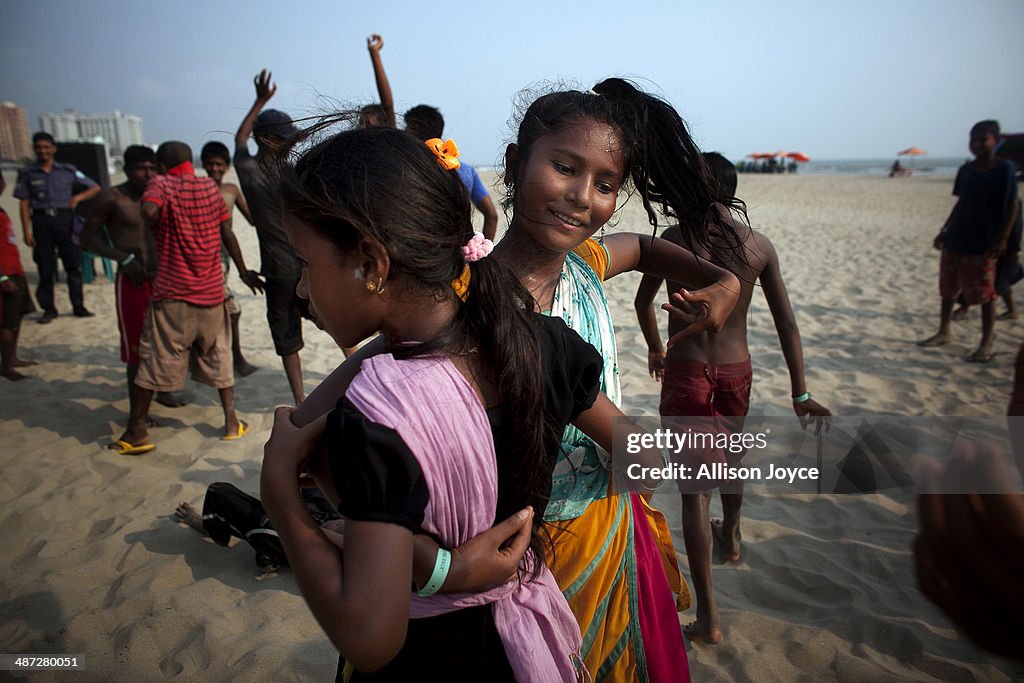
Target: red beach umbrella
798, 156
912, 152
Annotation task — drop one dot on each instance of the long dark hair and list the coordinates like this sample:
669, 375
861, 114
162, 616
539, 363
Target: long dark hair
663, 164
385, 184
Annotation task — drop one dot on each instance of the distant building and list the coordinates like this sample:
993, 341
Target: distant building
116, 129
15, 143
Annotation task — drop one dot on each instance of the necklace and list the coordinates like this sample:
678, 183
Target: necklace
535, 286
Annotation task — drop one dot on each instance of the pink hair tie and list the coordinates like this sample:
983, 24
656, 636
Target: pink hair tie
477, 247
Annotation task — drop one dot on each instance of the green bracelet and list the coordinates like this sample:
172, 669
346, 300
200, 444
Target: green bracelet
802, 398
3, 279
442, 564
128, 259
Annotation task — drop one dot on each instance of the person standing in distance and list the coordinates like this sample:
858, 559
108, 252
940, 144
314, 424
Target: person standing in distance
46, 190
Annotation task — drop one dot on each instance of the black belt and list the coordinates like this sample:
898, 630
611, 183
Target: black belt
51, 212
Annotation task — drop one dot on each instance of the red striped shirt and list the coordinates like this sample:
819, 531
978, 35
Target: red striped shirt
188, 237
10, 261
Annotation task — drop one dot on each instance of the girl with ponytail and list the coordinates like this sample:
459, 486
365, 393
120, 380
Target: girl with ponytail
451, 422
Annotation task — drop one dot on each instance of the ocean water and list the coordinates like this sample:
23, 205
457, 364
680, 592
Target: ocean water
919, 165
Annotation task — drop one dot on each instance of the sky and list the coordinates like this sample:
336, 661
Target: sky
836, 80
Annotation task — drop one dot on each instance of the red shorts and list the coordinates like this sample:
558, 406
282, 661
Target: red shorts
971, 275
132, 303
708, 399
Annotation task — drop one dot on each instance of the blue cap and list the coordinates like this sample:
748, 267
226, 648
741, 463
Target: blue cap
276, 123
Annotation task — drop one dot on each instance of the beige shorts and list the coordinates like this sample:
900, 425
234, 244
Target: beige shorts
174, 333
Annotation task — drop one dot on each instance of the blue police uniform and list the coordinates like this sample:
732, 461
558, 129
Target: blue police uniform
49, 196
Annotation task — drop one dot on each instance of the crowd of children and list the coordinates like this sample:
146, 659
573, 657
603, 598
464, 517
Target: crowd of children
490, 385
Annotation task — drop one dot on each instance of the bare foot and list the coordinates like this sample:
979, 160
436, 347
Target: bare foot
22, 363
982, 355
725, 548
1007, 315
13, 375
169, 400
244, 368
698, 632
187, 514
960, 313
935, 340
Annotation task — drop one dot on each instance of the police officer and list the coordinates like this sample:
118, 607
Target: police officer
47, 218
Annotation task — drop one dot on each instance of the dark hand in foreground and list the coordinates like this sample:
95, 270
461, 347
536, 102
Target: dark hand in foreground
811, 412
492, 558
253, 281
969, 555
288, 448
134, 272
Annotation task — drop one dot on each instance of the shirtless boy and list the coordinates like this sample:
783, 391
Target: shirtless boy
709, 375
216, 162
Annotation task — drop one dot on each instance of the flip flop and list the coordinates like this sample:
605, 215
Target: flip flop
980, 357
243, 429
125, 448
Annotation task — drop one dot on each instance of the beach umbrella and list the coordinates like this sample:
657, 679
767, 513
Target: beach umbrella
912, 152
798, 156
761, 155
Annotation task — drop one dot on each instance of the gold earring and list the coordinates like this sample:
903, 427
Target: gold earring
380, 285
371, 285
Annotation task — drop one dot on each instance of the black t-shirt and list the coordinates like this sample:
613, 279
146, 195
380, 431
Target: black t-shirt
277, 258
379, 479
980, 214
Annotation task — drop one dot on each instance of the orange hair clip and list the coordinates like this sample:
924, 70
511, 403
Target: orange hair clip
446, 151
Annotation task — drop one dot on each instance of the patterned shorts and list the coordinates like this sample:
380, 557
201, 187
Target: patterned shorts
972, 276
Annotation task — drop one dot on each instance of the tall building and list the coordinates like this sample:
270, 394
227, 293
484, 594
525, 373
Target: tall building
117, 130
15, 143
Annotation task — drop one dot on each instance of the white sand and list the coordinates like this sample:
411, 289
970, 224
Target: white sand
825, 590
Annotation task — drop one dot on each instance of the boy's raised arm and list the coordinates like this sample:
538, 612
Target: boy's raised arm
374, 44
265, 89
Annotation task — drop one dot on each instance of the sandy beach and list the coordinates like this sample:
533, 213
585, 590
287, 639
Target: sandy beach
97, 566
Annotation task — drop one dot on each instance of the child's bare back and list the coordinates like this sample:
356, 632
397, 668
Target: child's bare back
758, 260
